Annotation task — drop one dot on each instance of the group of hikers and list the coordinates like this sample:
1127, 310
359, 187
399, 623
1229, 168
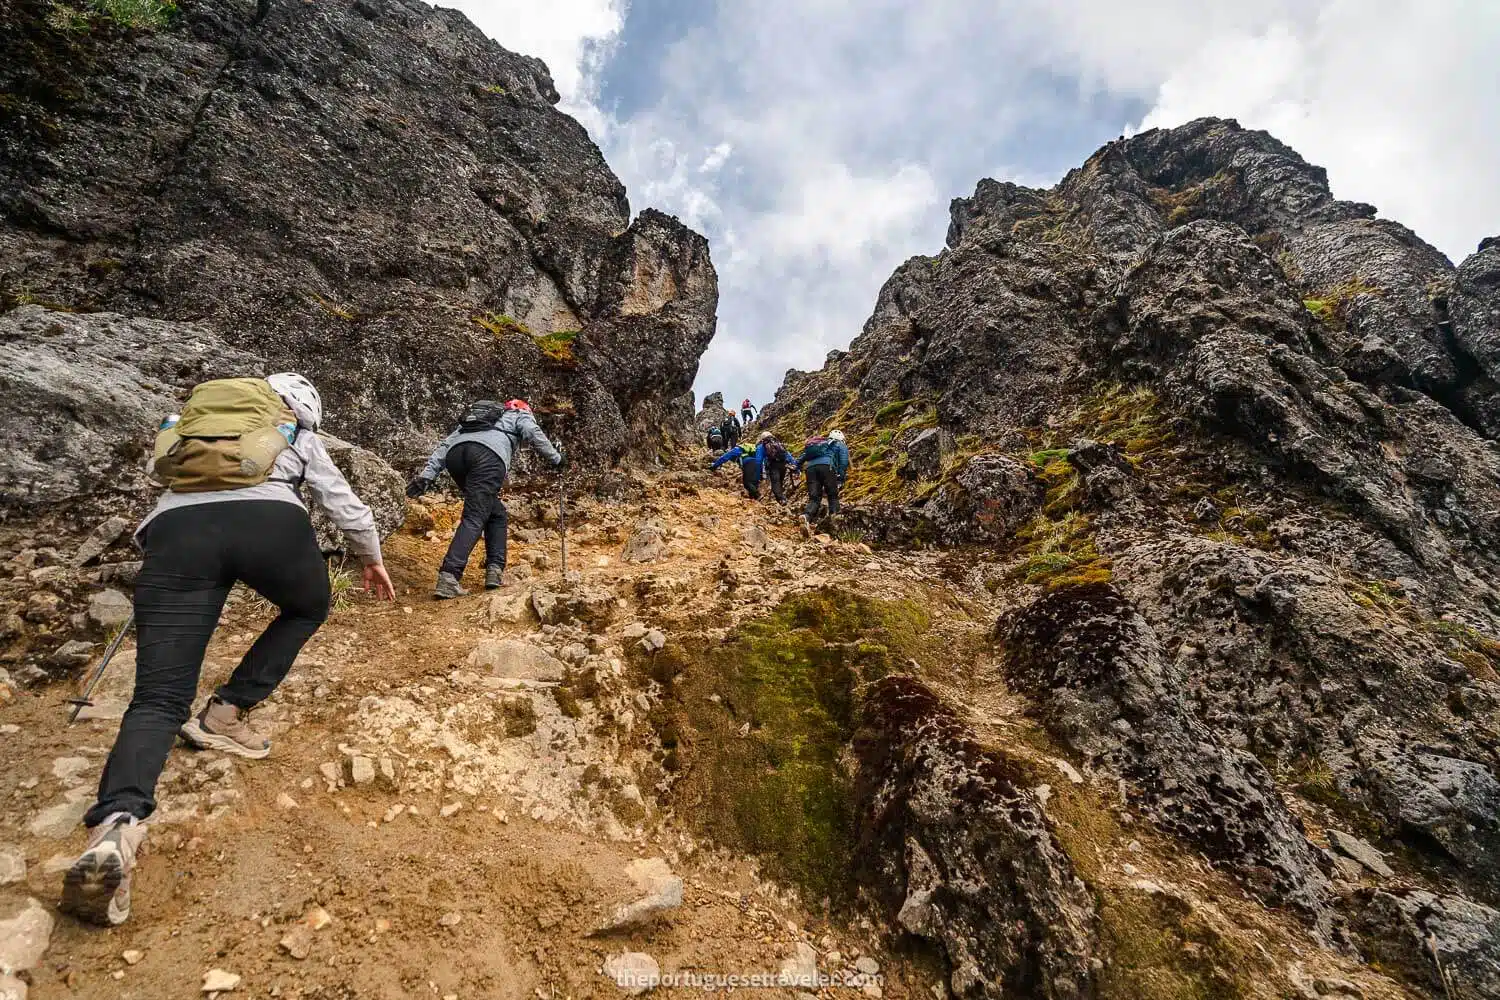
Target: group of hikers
824, 461
233, 463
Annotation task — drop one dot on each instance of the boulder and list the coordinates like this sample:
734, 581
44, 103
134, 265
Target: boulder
928, 454
1101, 685
516, 660
648, 543
109, 609
962, 857
659, 892
373, 481
25, 933
1415, 933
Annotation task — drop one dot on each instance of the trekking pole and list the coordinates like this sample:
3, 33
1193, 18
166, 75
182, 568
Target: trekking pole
79, 704
562, 519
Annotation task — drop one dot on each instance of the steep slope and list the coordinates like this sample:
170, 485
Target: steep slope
1228, 445
372, 191
720, 753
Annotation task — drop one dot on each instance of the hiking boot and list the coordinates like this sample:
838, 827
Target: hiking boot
494, 577
97, 887
448, 586
222, 726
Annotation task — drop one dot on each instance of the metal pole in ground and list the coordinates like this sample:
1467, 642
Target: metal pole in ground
562, 519
79, 704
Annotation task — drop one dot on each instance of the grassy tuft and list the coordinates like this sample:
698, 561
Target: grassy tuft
890, 411
499, 324
558, 346
332, 308
137, 15
1332, 306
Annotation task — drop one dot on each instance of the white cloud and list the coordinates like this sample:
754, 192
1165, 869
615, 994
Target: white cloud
817, 141
1399, 100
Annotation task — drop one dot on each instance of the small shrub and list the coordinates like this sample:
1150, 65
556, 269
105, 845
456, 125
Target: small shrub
332, 308
499, 324
891, 410
558, 346
1332, 307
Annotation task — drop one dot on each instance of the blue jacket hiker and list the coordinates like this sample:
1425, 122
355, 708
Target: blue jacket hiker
826, 463
752, 464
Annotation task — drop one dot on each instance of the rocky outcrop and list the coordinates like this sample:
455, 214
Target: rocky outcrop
1448, 944
1251, 559
1095, 670
88, 391
962, 855
375, 193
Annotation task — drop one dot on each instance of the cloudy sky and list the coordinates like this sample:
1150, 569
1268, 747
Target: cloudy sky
817, 142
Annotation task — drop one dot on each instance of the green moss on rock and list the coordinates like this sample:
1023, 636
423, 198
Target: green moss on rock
760, 724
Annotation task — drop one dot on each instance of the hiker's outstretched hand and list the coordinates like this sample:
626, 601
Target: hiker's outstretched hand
378, 582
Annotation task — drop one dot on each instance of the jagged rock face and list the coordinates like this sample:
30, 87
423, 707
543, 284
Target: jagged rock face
86, 392
1102, 687
1447, 943
965, 858
712, 414
344, 190
1266, 418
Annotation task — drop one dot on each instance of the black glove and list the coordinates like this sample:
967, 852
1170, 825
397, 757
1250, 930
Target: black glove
418, 486
562, 464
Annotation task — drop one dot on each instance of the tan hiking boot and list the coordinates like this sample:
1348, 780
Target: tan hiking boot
97, 887
222, 726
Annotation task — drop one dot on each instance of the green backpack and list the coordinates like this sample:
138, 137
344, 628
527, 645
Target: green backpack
228, 437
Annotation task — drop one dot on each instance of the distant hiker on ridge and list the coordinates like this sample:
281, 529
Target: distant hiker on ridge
232, 463
731, 428
478, 454
747, 412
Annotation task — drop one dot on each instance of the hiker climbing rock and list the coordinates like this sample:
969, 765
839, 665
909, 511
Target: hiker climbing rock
825, 460
232, 463
731, 429
776, 459
752, 463
716, 439
478, 455
747, 412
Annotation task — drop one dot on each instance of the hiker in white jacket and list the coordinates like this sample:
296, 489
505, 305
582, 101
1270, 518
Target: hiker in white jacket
197, 546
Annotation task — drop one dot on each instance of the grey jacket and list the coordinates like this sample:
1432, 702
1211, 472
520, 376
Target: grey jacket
514, 427
307, 463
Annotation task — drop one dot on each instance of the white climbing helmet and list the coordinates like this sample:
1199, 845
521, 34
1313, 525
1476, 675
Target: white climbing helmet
764, 436
300, 395
836, 435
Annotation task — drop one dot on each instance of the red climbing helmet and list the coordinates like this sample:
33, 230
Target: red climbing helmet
518, 404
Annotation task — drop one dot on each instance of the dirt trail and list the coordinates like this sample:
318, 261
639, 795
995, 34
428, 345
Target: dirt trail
464, 795
505, 851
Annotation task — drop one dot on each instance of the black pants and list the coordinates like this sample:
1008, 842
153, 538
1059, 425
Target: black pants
480, 473
194, 555
750, 478
746, 417
822, 481
777, 472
